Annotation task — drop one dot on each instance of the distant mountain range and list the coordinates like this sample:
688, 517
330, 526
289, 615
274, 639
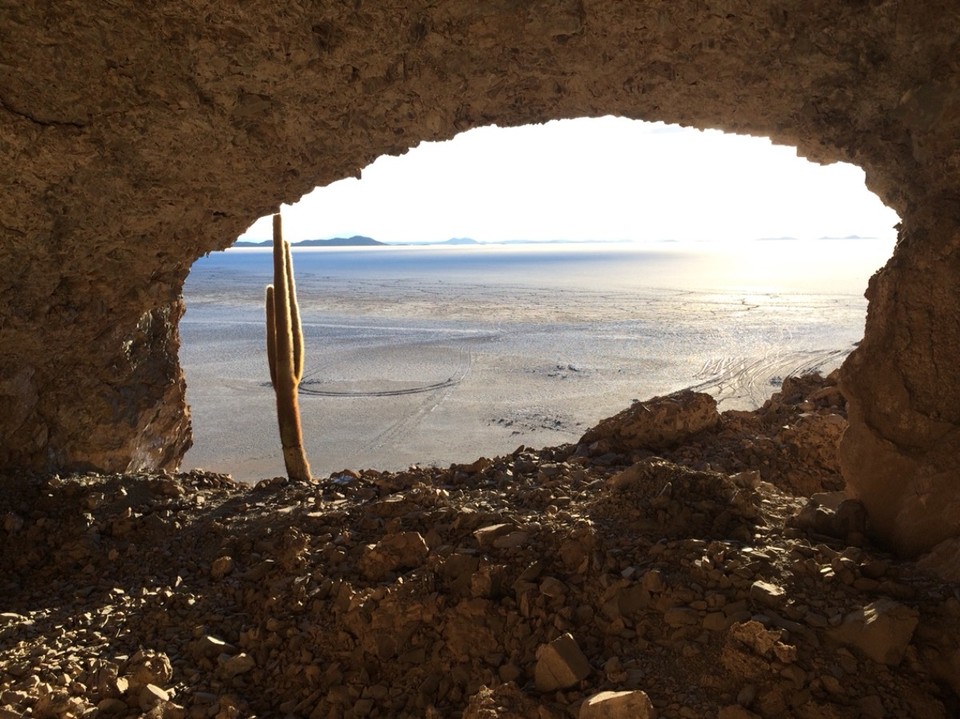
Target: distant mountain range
355, 241
460, 241
362, 241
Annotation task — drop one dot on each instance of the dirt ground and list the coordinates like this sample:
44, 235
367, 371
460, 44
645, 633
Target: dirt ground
673, 556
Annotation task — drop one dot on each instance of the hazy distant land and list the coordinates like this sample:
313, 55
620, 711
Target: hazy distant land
364, 241
359, 241
355, 241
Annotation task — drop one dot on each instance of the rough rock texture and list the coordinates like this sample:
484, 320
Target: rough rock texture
618, 705
882, 630
136, 137
658, 423
560, 665
696, 601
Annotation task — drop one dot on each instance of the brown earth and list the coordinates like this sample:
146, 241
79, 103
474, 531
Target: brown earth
519, 586
138, 136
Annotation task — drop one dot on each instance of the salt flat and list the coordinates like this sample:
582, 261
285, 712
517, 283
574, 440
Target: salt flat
438, 356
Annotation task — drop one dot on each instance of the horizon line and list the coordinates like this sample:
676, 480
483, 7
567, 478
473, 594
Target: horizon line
468, 241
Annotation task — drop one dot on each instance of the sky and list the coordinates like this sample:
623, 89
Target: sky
604, 179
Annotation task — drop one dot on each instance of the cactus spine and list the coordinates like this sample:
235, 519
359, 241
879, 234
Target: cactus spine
285, 355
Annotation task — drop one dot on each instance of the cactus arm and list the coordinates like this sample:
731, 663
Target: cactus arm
281, 299
296, 328
271, 337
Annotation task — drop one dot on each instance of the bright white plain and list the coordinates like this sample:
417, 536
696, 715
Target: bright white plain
605, 179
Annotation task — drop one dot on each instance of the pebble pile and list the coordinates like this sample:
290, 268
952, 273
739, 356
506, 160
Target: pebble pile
676, 563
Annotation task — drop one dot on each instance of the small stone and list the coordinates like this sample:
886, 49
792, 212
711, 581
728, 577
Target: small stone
221, 567
653, 581
877, 568
151, 695
767, 594
149, 667
748, 480
795, 674
553, 588
509, 673
231, 666
632, 599
882, 630
681, 617
613, 670
848, 662
832, 685
12, 523
259, 570
112, 705
165, 710
560, 664
486, 536
715, 622
512, 540
762, 641
746, 695
618, 705
815, 620
487, 581
209, 646
11, 696
403, 550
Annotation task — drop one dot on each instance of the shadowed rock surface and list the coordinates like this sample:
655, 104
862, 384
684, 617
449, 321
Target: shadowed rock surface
523, 586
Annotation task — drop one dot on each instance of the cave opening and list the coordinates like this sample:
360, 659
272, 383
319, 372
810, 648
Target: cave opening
530, 282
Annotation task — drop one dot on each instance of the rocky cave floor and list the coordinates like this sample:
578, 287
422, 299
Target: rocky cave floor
695, 581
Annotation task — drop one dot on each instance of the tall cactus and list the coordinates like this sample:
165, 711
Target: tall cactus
285, 355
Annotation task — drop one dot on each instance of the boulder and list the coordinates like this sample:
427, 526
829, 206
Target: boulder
618, 705
403, 550
149, 667
815, 439
560, 664
882, 630
943, 560
657, 423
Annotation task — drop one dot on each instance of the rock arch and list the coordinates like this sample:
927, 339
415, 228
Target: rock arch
138, 138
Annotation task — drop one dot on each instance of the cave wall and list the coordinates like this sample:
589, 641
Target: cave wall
138, 137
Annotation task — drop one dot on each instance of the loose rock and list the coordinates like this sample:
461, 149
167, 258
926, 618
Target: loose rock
882, 630
618, 705
560, 664
657, 423
428, 592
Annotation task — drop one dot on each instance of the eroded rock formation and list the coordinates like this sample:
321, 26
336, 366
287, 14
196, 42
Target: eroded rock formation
136, 138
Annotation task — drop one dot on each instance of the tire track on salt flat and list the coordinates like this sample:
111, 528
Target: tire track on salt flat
741, 383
